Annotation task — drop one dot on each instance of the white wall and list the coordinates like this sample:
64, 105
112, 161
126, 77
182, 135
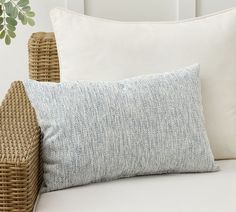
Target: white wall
14, 59
132, 10
210, 6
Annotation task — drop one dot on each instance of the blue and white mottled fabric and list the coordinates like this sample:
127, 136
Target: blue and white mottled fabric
99, 131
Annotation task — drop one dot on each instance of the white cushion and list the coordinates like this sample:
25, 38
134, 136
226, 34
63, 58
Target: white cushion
206, 192
98, 49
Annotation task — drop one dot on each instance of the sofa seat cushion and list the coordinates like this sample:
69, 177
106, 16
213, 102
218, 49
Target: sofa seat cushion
205, 192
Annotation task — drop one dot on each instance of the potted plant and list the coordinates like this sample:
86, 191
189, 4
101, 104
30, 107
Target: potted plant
12, 12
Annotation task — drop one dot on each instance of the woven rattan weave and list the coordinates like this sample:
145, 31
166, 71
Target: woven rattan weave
43, 58
20, 164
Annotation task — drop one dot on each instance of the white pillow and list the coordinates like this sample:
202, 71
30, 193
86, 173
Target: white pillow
97, 49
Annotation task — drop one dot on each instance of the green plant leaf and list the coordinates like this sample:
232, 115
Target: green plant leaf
9, 8
26, 9
10, 27
30, 14
11, 33
11, 21
23, 3
1, 11
22, 18
15, 12
7, 40
30, 21
11, 12
2, 34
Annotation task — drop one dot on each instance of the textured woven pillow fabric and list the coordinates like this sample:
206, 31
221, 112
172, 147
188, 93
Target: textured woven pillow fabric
99, 131
101, 49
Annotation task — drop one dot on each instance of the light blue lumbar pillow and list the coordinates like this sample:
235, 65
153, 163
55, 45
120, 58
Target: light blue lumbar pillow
99, 131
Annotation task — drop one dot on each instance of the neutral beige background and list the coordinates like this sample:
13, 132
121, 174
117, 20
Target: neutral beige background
13, 59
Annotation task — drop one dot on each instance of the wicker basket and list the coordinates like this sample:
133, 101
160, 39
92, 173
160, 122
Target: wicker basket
20, 163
